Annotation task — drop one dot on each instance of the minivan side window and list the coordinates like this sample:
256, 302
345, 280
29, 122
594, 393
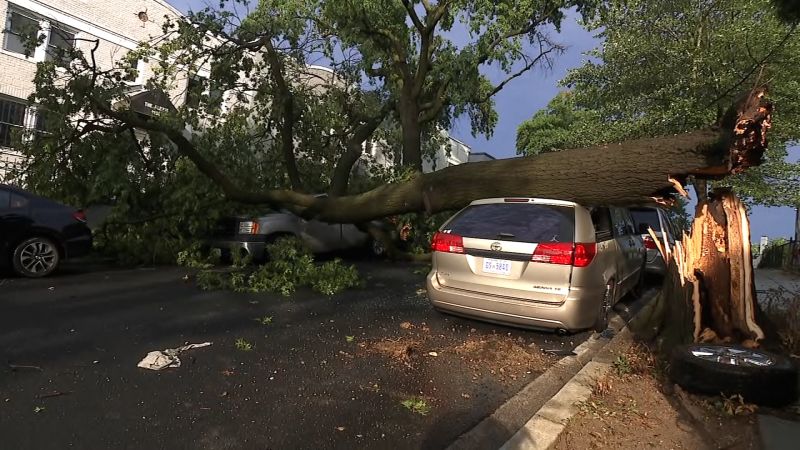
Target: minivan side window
602, 224
623, 222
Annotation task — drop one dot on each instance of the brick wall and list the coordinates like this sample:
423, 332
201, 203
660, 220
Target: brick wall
119, 16
16, 75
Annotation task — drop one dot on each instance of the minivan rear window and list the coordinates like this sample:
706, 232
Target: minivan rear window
521, 222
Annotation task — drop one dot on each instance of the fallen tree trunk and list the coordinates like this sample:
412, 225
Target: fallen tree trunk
632, 172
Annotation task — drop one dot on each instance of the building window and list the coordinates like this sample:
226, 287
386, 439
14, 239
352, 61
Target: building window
54, 43
194, 90
198, 90
19, 28
59, 46
12, 118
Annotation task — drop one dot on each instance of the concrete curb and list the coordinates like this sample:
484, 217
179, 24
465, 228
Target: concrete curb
543, 429
552, 395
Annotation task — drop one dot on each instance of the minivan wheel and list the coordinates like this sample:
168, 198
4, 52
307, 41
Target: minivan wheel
605, 307
35, 257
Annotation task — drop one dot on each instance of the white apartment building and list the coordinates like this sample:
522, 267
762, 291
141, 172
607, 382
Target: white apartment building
119, 26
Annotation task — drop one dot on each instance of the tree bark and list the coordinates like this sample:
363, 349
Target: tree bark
285, 99
354, 148
412, 135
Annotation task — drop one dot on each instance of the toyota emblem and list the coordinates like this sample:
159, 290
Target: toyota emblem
496, 247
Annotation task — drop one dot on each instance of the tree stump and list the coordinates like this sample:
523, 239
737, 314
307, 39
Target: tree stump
709, 290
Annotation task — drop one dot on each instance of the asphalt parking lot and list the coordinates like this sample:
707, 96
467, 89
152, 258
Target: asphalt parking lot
321, 373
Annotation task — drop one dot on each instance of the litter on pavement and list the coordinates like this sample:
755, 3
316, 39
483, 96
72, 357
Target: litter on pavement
163, 359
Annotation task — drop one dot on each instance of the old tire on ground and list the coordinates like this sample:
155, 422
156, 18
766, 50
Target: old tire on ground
760, 377
35, 257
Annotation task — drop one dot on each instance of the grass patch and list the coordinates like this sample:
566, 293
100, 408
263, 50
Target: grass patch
266, 320
622, 365
243, 345
417, 405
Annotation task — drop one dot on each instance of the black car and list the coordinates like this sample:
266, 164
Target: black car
36, 234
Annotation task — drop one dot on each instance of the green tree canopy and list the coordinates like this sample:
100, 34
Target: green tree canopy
264, 126
667, 67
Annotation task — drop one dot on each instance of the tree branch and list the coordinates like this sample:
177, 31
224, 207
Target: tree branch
291, 200
286, 102
412, 13
431, 109
517, 74
353, 150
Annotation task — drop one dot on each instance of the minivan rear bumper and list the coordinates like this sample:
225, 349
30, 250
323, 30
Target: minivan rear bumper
578, 312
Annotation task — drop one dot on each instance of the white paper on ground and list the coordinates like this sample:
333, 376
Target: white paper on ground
163, 359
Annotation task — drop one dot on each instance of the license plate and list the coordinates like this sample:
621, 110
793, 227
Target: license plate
496, 266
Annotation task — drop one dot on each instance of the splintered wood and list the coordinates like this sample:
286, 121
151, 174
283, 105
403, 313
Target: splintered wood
715, 262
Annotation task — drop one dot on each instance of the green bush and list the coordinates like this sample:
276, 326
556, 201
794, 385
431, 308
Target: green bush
334, 277
290, 266
193, 257
209, 280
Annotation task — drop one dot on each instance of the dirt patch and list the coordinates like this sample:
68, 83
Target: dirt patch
631, 409
502, 355
399, 350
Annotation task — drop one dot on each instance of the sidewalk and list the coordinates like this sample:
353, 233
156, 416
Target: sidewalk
777, 279
776, 289
778, 433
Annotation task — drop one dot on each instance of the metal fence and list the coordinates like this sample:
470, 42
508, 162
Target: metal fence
784, 256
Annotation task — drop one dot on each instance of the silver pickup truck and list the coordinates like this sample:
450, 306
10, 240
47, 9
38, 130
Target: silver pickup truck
250, 235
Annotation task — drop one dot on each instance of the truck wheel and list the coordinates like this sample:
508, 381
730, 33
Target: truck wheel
376, 248
758, 376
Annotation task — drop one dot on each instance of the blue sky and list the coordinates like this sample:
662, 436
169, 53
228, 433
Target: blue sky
520, 99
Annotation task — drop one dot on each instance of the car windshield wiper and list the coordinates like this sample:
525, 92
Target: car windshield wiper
506, 235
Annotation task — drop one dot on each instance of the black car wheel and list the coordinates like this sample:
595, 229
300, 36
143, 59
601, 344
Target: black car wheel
35, 257
758, 376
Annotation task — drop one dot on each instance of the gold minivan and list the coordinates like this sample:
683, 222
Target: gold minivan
535, 263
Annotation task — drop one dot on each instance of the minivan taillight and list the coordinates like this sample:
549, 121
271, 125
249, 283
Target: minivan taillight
447, 243
649, 243
584, 254
553, 253
565, 253
79, 215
